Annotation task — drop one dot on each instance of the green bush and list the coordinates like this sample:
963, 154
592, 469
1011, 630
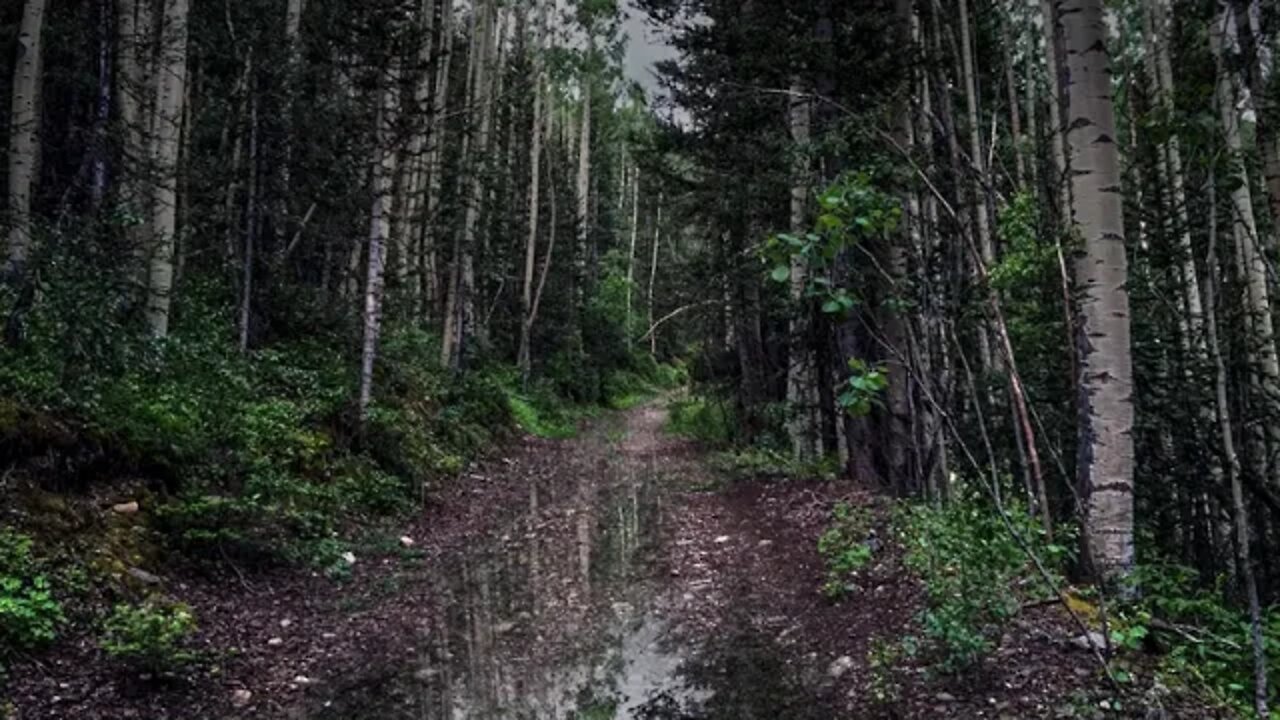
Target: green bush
763, 462
973, 572
29, 613
1215, 655
845, 547
709, 420
150, 637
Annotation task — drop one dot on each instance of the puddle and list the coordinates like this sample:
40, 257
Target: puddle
560, 616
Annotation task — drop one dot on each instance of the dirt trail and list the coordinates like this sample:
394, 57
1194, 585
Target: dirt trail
613, 573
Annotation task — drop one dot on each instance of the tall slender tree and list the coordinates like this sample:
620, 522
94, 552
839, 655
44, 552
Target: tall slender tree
24, 135
1106, 462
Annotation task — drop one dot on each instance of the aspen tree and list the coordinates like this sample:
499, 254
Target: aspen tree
382, 171
171, 77
24, 135
524, 352
1101, 274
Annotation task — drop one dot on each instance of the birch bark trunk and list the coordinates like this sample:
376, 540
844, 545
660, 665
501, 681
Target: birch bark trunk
24, 135
1106, 461
171, 77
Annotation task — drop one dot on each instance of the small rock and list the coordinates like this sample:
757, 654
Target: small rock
945, 697
503, 628
406, 541
840, 666
303, 680
1090, 641
764, 543
285, 623
240, 698
349, 557
126, 508
143, 576
328, 635
273, 642
722, 539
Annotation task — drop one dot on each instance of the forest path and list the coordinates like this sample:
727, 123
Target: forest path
616, 574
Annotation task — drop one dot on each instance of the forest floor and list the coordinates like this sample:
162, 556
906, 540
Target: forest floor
616, 574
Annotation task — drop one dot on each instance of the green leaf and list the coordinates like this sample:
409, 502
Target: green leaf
781, 273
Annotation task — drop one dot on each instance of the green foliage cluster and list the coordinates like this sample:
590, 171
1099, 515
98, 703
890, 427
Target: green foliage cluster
29, 613
1213, 652
846, 546
706, 419
260, 451
852, 209
151, 636
767, 462
974, 572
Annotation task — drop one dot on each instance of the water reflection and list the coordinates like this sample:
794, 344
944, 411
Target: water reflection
557, 618
548, 620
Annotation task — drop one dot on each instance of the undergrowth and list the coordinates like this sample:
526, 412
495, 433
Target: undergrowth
975, 574
254, 459
1203, 637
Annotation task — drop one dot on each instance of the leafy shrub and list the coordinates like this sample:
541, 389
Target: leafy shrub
763, 462
708, 420
845, 547
29, 614
150, 637
624, 389
1215, 656
973, 571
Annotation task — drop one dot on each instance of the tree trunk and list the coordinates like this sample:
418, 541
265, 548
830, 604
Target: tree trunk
454, 308
524, 358
24, 136
292, 33
1101, 270
171, 77
1011, 87
1240, 516
631, 251
250, 230
433, 164
135, 93
653, 274
801, 427
102, 103
584, 200
1250, 257
382, 171
980, 181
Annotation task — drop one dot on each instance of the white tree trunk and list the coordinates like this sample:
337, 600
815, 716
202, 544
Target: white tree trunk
1240, 516
171, 77
524, 358
453, 308
584, 198
1101, 270
653, 274
462, 321
1250, 256
631, 252
429, 289
383, 170
24, 135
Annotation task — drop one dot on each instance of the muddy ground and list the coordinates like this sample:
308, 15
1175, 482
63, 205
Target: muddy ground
614, 574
